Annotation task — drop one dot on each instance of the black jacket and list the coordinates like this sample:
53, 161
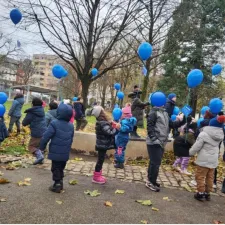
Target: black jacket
105, 136
170, 104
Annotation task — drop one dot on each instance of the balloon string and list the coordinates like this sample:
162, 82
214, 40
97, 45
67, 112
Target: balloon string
188, 97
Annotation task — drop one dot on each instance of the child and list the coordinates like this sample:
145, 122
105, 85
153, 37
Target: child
61, 134
181, 147
127, 125
52, 113
15, 112
3, 130
207, 149
105, 140
35, 118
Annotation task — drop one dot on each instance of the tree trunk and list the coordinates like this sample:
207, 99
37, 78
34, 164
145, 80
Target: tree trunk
145, 87
103, 95
85, 87
193, 101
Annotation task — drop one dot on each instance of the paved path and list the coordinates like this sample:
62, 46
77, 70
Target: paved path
35, 204
167, 177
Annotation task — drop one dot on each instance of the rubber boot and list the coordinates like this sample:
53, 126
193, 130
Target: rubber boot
98, 178
39, 157
56, 187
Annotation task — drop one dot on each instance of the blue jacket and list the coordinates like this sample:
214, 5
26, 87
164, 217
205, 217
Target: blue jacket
16, 107
79, 110
36, 119
3, 130
127, 126
61, 133
50, 116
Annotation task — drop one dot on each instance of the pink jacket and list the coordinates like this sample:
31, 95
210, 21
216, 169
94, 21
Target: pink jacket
72, 118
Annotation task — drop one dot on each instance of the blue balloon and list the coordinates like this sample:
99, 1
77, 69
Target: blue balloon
176, 111
145, 51
15, 16
204, 109
3, 97
158, 99
65, 74
217, 69
94, 72
116, 106
117, 113
215, 105
144, 71
173, 117
58, 71
75, 99
120, 95
2, 110
194, 78
117, 86
199, 121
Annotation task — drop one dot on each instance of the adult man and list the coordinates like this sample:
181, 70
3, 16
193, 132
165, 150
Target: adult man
137, 110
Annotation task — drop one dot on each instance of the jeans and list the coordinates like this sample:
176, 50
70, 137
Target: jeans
155, 153
15, 120
57, 170
101, 159
81, 123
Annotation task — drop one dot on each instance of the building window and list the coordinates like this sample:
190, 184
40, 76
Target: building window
36, 63
41, 78
50, 64
42, 63
41, 73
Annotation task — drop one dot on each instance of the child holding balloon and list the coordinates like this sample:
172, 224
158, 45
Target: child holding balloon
105, 140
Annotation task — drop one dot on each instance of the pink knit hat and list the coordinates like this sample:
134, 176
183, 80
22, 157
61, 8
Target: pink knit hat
127, 111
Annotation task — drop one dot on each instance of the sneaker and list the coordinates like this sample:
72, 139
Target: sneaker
177, 168
157, 184
185, 172
199, 196
56, 187
207, 197
152, 187
214, 186
119, 166
194, 182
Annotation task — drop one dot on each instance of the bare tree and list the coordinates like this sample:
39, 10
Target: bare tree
76, 30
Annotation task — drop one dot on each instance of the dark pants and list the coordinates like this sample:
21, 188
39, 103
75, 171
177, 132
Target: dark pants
155, 153
81, 123
57, 170
215, 176
15, 120
101, 159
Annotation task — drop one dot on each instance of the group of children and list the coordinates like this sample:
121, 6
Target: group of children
57, 125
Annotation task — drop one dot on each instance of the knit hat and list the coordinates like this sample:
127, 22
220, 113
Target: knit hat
217, 121
96, 111
127, 112
208, 115
171, 96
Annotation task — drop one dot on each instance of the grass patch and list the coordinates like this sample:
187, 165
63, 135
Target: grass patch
15, 150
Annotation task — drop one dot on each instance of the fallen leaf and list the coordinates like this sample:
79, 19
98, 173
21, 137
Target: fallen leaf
4, 181
1, 174
155, 209
119, 191
23, 183
94, 193
187, 188
73, 182
78, 159
145, 202
217, 222
107, 203
27, 179
10, 167
88, 174
2, 199
144, 221
59, 202
167, 199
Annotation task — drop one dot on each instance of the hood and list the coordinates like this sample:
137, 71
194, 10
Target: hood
215, 133
53, 112
64, 112
158, 109
170, 101
37, 111
20, 100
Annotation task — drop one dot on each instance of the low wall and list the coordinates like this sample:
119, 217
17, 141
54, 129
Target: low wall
85, 142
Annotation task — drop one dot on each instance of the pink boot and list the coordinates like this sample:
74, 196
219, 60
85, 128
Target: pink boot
101, 175
98, 178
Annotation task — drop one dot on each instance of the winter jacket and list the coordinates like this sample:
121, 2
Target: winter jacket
159, 125
79, 110
3, 130
137, 108
127, 126
170, 104
183, 143
105, 136
16, 107
61, 133
207, 147
50, 116
36, 119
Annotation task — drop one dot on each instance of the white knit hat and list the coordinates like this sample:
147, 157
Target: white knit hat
96, 111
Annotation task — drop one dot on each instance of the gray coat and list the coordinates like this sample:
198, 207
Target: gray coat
15, 110
207, 147
50, 116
